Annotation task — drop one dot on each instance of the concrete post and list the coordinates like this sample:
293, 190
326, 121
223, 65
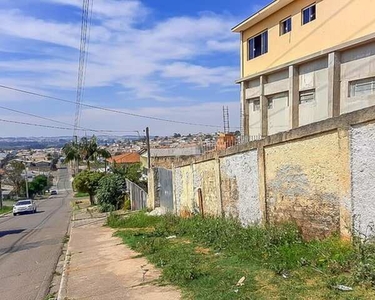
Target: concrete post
346, 209
263, 108
334, 82
293, 97
262, 182
245, 111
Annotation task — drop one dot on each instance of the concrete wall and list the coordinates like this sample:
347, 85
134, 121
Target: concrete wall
314, 76
304, 183
206, 178
363, 177
357, 63
255, 118
336, 22
278, 114
239, 187
319, 176
184, 198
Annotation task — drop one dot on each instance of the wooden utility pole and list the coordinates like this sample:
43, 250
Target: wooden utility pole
148, 148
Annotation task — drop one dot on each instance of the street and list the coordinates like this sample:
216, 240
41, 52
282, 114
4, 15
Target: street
30, 245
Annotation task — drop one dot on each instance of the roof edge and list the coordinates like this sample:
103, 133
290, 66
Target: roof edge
261, 14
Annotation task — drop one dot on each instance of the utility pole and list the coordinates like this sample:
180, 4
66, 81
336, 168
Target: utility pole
148, 148
27, 183
1, 192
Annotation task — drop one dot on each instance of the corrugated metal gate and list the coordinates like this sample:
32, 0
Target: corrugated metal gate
164, 188
138, 197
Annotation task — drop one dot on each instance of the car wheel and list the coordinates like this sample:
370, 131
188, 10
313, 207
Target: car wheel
34, 210
14, 214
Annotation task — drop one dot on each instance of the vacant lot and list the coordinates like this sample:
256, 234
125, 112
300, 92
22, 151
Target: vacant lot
214, 258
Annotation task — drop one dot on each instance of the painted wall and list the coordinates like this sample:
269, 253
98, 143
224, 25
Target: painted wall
278, 114
314, 75
184, 202
306, 181
206, 178
255, 117
337, 22
357, 63
363, 177
239, 187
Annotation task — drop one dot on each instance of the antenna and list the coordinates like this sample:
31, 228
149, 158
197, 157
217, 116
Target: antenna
226, 119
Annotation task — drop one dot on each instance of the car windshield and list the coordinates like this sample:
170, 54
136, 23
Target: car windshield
25, 202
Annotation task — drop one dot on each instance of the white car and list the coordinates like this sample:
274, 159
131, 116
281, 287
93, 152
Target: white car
24, 206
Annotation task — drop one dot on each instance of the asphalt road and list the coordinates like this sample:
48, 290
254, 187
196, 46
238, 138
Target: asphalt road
30, 245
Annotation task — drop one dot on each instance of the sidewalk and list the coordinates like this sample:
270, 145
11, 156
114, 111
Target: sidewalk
102, 267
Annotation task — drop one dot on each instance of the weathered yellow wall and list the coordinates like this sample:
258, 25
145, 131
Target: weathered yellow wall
183, 191
337, 22
308, 182
206, 178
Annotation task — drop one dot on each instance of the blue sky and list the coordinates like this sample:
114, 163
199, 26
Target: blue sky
168, 59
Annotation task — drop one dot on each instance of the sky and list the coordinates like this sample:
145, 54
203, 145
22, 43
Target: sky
167, 59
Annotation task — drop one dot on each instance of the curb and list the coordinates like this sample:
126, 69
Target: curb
63, 283
8, 213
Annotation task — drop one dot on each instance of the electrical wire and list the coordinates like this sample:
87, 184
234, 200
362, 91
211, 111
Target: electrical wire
63, 123
108, 109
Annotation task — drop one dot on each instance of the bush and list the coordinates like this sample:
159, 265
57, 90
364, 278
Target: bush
127, 204
110, 192
87, 182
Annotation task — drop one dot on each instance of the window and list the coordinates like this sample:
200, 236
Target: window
286, 26
270, 103
256, 105
258, 45
362, 87
309, 14
307, 96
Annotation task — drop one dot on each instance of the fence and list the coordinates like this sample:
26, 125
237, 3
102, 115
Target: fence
138, 197
164, 188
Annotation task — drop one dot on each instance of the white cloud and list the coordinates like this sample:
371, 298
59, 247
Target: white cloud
142, 59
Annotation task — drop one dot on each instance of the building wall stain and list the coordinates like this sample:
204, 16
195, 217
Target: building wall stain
363, 178
240, 188
304, 180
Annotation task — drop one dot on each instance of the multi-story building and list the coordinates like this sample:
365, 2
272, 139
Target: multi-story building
304, 61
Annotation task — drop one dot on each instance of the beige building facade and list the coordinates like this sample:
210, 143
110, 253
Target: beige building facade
304, 61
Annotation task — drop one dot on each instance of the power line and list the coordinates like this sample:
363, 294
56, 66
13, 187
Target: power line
63, 123
59, 127
108, 109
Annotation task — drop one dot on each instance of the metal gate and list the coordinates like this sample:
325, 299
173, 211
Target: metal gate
165, 188
138, 197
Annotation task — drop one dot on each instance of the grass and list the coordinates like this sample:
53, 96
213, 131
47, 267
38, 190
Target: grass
5, 209
209, 256
81, 195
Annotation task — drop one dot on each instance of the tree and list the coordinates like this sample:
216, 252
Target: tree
131, 172
86, 150
110, 192
38, 185
176, 135
14, 175
87, 182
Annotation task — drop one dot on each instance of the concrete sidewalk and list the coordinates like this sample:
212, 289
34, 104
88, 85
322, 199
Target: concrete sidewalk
102, 267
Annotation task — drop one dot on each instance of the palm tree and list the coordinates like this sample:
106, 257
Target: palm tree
104, 153
72, 153
86, 150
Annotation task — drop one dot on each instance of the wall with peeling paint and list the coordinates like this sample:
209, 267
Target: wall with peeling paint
305, 180
239, 187
206, 178
363, 177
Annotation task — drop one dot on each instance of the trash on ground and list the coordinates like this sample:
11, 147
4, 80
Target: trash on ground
343, 288
240, 282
